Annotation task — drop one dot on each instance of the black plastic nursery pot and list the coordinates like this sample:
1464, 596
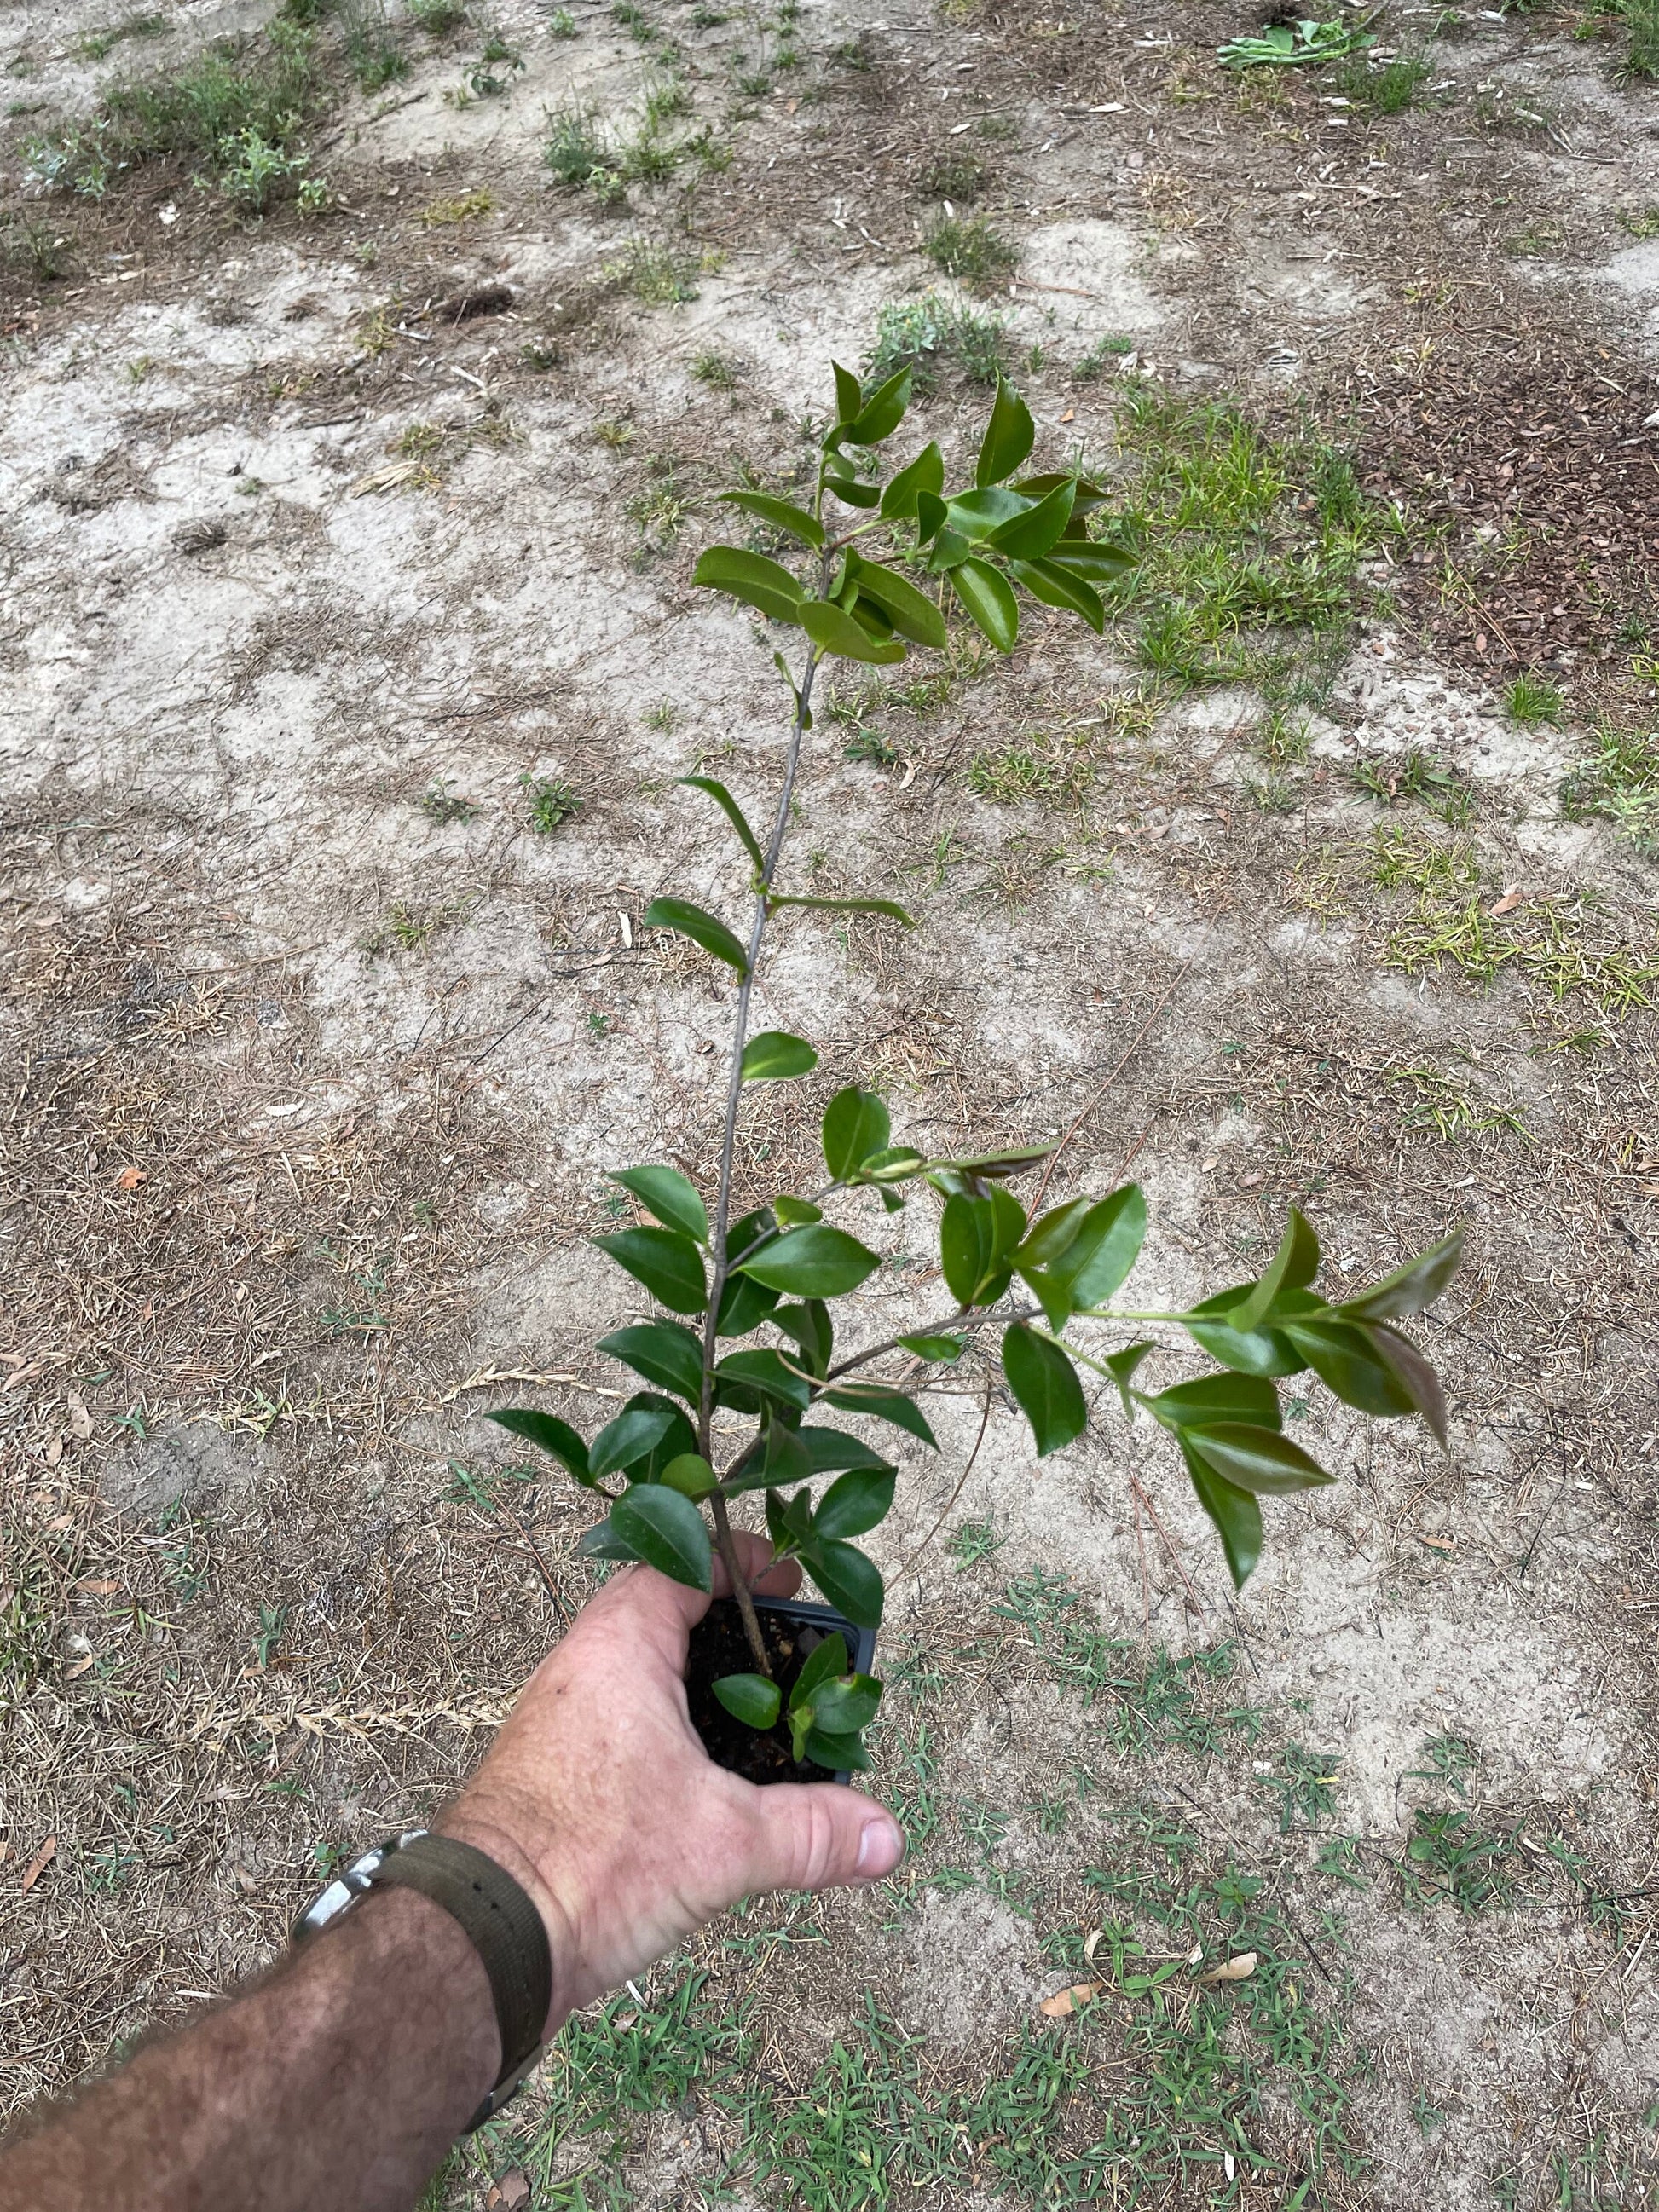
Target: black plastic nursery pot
792, 1631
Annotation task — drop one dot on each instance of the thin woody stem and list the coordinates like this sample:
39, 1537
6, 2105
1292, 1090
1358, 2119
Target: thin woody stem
728, 1550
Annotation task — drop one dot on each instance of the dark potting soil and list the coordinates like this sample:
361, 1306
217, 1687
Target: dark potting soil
719, 1647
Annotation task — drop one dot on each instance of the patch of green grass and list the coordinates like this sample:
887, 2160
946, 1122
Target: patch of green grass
1563, 948
1243, 537
970, 1542
1642, 21
1382, 88
954, 176
969, 250
1621, 782
931, 332
1103, 356
1154, 1700
238, 111
716, 370
43, 248
1420, 776
659, 509
1433, 1104
1304, 1782
93, 45
1452, 1859
437, 18
406, 927
1639, 222
1530, 699
656, 276
442, 806
29, 1616
577, 153
872, 746
550, 800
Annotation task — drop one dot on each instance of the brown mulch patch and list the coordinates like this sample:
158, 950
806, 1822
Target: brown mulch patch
1538, 457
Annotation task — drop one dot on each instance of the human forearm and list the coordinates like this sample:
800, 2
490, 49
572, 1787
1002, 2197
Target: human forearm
339, 2080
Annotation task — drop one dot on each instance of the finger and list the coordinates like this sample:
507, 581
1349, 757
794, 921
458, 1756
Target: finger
817, 1835
780, 1578
665, 1611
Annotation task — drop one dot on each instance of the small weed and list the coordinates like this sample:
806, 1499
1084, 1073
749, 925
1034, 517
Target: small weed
576, 152
970, 1542
656, 276
616, 434
1382, 88
1101, 357
714, 370
921, 334
487, 1488
561, 24
1426, 2116
252, 167
1639, 222
541, 355
1642, 21
1621, 782
1275, 793
872, 746
1417, 775
1450, 1760
663, 716
658, 511
364, 1317
437, 18
442, 806
1451, 1858
1529, 699
407, 928
954, 177
93, 45
468, 207
1433, 1105
970, 251
1304, 1782
29, 1618
1396, 860
552, 800
273, 1619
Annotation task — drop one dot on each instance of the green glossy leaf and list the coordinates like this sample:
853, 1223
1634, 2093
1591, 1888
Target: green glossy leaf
849, 1580
882, 412
602, 1542
733, 813
1028, 537
967, 1246
832, 630
818, 1263
1258, 1460
1053, 1295
947, 1348
1056, 588
688, 921
1236, 1516
1092, 562
749, 1698
781, 514
856, 1123
667, 1263
666, 1531
1211, 1398
882, 1403
870, 616
912, 613
796, 1212
855, 1502
775, 1056
1046, 1386
974, 514
1121, 1365
677, 1436
629, 1438
744, 1304
764, 1369
765, 585
549, 1434
989, 599
847, 1704
663, 1352
850, 395
689, 1473
931, 516
836, 1754
668, 1194
1009, 437
1008, 1162
888, 907
1344, 1356
847, 485
1256, 1352
813, 1330
1410, 1289
924, 474
891, 1163
1090, 494
828, 1451
825, 1662
1053, 1233
1293, 1268
1097, 1262
1413, 1372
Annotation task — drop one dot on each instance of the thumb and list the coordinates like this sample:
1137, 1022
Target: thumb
817, 1835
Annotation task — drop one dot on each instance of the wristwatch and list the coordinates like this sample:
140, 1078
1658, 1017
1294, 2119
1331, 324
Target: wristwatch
498, 1918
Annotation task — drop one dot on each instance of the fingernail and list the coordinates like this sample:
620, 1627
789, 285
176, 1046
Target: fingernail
880, 1849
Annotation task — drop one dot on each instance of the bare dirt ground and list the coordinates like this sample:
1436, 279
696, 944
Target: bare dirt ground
350, 656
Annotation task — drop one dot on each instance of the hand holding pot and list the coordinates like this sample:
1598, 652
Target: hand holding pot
599, 1798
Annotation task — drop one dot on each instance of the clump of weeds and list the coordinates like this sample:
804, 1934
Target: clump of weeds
969, 250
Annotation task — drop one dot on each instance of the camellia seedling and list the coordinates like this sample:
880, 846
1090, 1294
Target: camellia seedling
758, 1339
